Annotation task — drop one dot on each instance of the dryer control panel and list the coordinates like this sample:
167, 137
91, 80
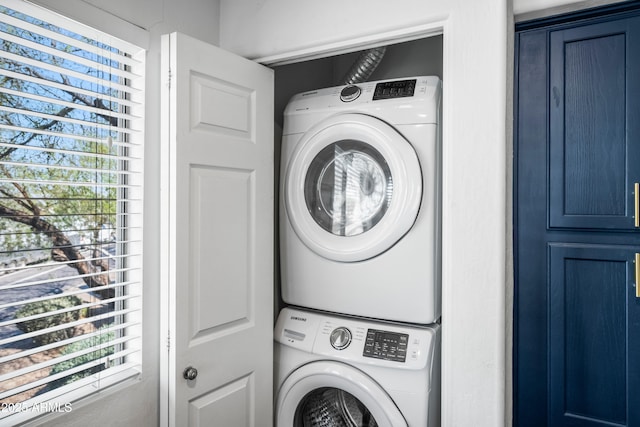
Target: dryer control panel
406, 101
386, 345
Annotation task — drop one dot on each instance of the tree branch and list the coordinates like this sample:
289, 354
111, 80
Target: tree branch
26, 201
63, 250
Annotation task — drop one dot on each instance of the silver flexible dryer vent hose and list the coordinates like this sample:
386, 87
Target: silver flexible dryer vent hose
365, 65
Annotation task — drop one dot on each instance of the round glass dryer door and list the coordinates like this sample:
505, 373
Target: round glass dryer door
353, 187
348, 188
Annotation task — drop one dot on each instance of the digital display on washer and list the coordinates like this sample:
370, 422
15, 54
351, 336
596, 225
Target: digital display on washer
386, 345
395, 89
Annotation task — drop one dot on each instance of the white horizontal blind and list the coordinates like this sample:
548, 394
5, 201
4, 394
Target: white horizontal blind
71, 133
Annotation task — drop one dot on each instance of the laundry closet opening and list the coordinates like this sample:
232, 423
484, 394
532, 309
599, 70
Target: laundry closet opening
420, 57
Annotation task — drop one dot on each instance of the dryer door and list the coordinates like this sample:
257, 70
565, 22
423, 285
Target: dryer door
333, 394
352, 188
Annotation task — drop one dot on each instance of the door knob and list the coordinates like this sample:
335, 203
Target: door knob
190, 373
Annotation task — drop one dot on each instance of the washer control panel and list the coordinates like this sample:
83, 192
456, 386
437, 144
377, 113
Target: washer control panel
386, 345
356, 340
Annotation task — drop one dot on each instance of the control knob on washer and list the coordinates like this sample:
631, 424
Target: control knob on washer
349, 93
340, 338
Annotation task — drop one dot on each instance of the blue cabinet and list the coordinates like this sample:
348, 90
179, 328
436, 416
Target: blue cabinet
594, 318
576, 166
594, 141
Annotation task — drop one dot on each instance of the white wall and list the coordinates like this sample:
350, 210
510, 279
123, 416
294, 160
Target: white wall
474, 202
141, 22
259, 29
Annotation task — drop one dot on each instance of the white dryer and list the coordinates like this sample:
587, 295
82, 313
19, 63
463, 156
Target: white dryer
360, 200
336, 371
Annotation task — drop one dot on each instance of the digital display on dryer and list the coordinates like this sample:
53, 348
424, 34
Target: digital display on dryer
386, 345
394, 89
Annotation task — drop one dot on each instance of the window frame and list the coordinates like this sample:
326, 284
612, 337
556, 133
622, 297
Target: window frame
133, 370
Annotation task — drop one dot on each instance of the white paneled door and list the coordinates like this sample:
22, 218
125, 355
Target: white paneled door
218, 203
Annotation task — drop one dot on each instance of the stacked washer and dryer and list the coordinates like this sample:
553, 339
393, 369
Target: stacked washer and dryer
359, 342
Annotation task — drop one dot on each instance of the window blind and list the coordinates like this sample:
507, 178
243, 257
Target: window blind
71, 141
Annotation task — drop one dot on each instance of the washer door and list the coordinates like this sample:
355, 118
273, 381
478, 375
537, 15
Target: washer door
333, 394
352, 188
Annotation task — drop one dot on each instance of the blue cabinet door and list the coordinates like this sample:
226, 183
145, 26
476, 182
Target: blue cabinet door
594, 141
577, 159
592, 382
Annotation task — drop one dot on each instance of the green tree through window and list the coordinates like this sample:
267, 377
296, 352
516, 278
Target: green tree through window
70, 205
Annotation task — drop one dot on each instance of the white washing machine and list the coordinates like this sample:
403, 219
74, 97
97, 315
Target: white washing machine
360, 200
336, 371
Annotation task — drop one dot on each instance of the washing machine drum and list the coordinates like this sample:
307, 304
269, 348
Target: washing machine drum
333, 394
353, 187
332, 407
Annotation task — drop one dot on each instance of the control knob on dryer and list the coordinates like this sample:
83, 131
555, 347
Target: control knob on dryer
349, 93
340, 338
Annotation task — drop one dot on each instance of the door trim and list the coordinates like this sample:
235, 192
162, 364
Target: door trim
430, 29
